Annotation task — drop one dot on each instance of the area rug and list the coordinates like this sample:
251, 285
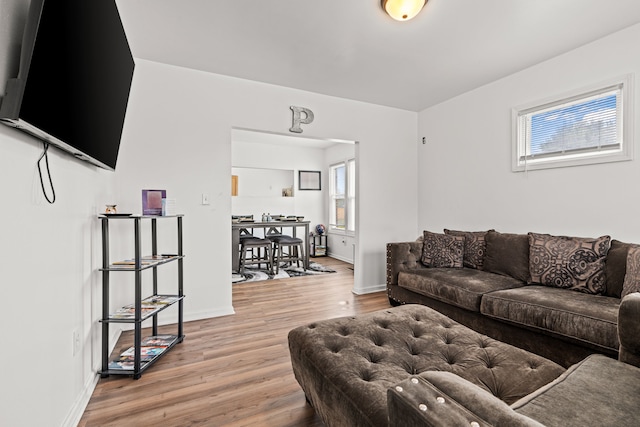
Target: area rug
254, 274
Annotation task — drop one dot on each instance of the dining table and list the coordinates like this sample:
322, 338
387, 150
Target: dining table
282, 225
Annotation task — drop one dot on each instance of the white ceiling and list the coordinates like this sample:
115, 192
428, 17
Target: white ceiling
352, 49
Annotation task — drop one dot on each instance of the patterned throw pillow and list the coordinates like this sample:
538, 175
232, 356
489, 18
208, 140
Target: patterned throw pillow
442, 250
632, 277
475, 246
568, 262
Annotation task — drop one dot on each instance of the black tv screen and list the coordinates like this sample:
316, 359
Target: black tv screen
75, 76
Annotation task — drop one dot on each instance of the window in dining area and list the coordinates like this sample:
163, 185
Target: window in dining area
342, 194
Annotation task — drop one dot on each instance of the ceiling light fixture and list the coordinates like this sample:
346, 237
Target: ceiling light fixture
403, 10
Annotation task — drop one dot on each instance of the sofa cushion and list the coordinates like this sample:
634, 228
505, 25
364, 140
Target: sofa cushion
442, 250
462, 287
615, 268
568, 262
632, 277
583, 317
507, 254
474, 247
596, 391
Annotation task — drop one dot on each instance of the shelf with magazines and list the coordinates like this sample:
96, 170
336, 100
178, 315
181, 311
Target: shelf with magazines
319, 245
148, 307
143, 352
145, 262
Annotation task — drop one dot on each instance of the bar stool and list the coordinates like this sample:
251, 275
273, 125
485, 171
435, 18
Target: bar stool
255, 243
295, 251
244, 233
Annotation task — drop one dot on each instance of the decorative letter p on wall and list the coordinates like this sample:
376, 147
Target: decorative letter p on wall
297, 120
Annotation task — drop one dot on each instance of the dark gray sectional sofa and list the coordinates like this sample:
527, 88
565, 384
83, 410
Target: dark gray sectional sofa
597, 391
561, 298
412, 366
555, 296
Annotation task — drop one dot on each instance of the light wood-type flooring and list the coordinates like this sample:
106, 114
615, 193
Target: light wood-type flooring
233, 370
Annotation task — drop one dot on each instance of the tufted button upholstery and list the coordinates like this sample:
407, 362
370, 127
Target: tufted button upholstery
409, 252
347, 364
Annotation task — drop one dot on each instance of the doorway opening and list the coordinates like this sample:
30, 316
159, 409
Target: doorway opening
266, 170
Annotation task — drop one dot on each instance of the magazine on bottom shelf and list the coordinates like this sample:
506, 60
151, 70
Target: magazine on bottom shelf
146, 353
158, 340
150, 347
122, 366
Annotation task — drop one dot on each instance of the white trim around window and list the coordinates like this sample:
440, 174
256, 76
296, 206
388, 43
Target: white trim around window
586, 126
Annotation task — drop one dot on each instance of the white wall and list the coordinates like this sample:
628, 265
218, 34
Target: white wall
465, 178
294, 158
260, 192
50, 255
49, 258
263, 182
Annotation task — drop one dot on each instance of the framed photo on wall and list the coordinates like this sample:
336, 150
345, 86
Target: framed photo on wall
309, 180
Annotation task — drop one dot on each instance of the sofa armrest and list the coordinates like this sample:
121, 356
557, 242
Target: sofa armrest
629, 329
445, 399
402, 256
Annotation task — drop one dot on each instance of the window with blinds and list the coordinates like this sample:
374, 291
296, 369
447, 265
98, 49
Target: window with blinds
584, 128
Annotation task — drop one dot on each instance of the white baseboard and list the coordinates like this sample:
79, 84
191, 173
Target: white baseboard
75, 415
369, 289
338, 257
209, 314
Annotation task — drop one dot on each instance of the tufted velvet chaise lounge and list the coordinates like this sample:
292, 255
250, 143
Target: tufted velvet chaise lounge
345, 366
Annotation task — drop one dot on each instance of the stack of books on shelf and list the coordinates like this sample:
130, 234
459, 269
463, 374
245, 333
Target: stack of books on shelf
150, 347
148, 306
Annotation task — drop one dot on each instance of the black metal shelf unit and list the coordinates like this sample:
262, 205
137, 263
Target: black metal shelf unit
136, 361
319, 245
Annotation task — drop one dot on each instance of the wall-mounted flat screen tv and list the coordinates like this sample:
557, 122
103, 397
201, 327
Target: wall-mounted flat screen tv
74, 79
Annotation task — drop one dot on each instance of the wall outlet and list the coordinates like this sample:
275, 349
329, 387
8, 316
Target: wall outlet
76, 342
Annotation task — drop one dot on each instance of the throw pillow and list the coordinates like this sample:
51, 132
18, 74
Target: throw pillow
632, 277
568, 262
615, 268
442, 250
507, 254
474, 247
